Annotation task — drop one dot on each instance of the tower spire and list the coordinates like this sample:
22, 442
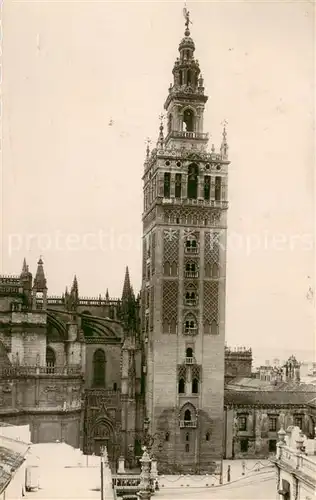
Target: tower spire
40, 280
224, 145
160, 142
127, 286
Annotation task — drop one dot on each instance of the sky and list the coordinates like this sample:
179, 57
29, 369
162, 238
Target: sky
83, 84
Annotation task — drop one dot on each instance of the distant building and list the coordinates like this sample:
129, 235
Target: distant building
295, 463
256, 409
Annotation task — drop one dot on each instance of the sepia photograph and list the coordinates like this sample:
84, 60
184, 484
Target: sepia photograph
157, 258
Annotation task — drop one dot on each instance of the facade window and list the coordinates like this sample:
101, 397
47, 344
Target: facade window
189, 352
181, 386
178, 182
242, 423
298, 421
272, 424
166, 185
50, 360
244, 445
218, 188
207, 436
99, 368
187, 447
215, 270
115, 386
272, 445
187, 416
207, 187
188, 121
187, 437
190, 326
214, 328
169, 123
191, 245
190, 298
191, 270
195, 386
167, 437
193, 175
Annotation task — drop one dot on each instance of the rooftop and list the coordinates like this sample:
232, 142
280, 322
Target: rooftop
266, 398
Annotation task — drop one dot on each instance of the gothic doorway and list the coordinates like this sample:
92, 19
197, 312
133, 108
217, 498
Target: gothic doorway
103, 435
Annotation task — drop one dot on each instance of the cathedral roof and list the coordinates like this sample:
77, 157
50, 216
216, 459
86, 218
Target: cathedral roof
268, 398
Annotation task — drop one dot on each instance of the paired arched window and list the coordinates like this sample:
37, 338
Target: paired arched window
99, 368
50, 360
191, 245
190, 325
191, 270
190, 298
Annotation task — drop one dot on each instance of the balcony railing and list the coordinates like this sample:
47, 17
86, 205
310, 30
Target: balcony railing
190, 302
191, 274
190, 331
188, 424
189, 135
298, 461
191, 250
31, 370
189, 361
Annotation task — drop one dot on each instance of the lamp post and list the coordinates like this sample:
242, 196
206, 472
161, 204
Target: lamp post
102, 472
149, 439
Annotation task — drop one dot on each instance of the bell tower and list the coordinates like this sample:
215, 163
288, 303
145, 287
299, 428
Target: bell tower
184, 276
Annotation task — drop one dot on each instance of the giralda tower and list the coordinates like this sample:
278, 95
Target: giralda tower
184, 278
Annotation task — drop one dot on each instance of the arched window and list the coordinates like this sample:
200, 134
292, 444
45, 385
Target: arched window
187, 416
206, 327
166, 326
191, 270
188, 120
190, 325
188, 77
190, 297
187, 436
181, 386
218, 188
193, 174
115, 386
195, 386
187, 447
215, 272
189, 352
99, 368
173, 326
174, 269
166, 268
214, 328
50, 360
207, 436
191, 245
170, 122
167, 436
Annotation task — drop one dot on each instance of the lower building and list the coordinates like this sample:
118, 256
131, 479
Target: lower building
255, 410
295, 463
